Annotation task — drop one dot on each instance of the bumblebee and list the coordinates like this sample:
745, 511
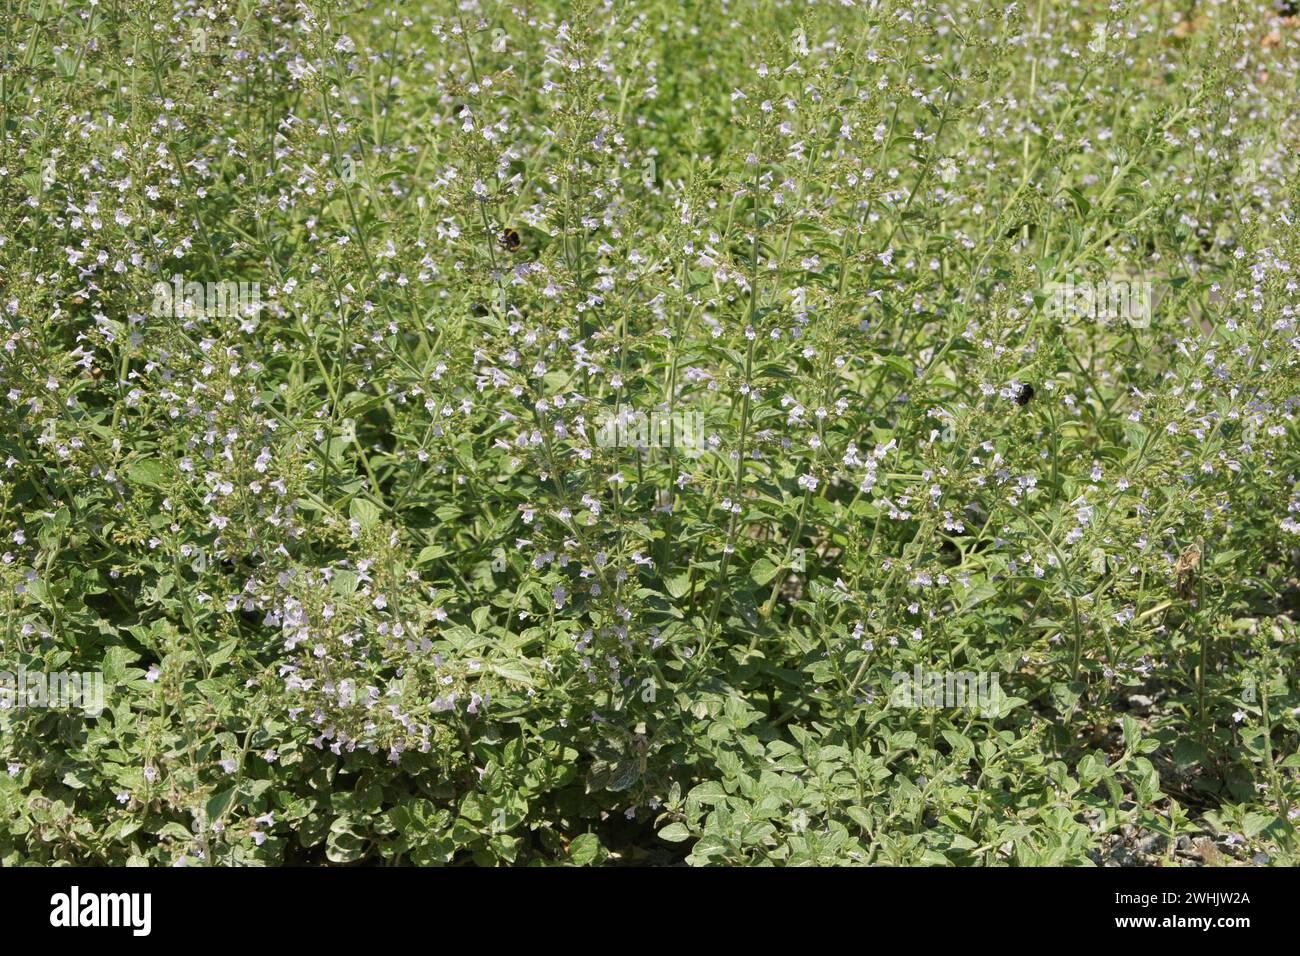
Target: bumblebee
1025, 394
509, 240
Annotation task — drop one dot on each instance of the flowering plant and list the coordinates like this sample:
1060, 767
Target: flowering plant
627, 431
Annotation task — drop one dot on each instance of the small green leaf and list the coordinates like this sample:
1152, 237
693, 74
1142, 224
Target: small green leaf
364, 512
675, 833
586, 850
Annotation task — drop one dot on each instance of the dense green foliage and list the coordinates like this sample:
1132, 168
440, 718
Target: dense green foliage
372, 579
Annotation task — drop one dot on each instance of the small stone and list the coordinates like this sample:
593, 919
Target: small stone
1122, 857
1152, 843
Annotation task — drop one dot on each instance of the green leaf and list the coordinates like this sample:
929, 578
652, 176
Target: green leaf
77, 779
115, 661
430, 553
219, 803
626, 773
516, 670
365, 512
344, 846
675, 833
148, 471
586, 850
763, 571
345, 582
1256, 823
